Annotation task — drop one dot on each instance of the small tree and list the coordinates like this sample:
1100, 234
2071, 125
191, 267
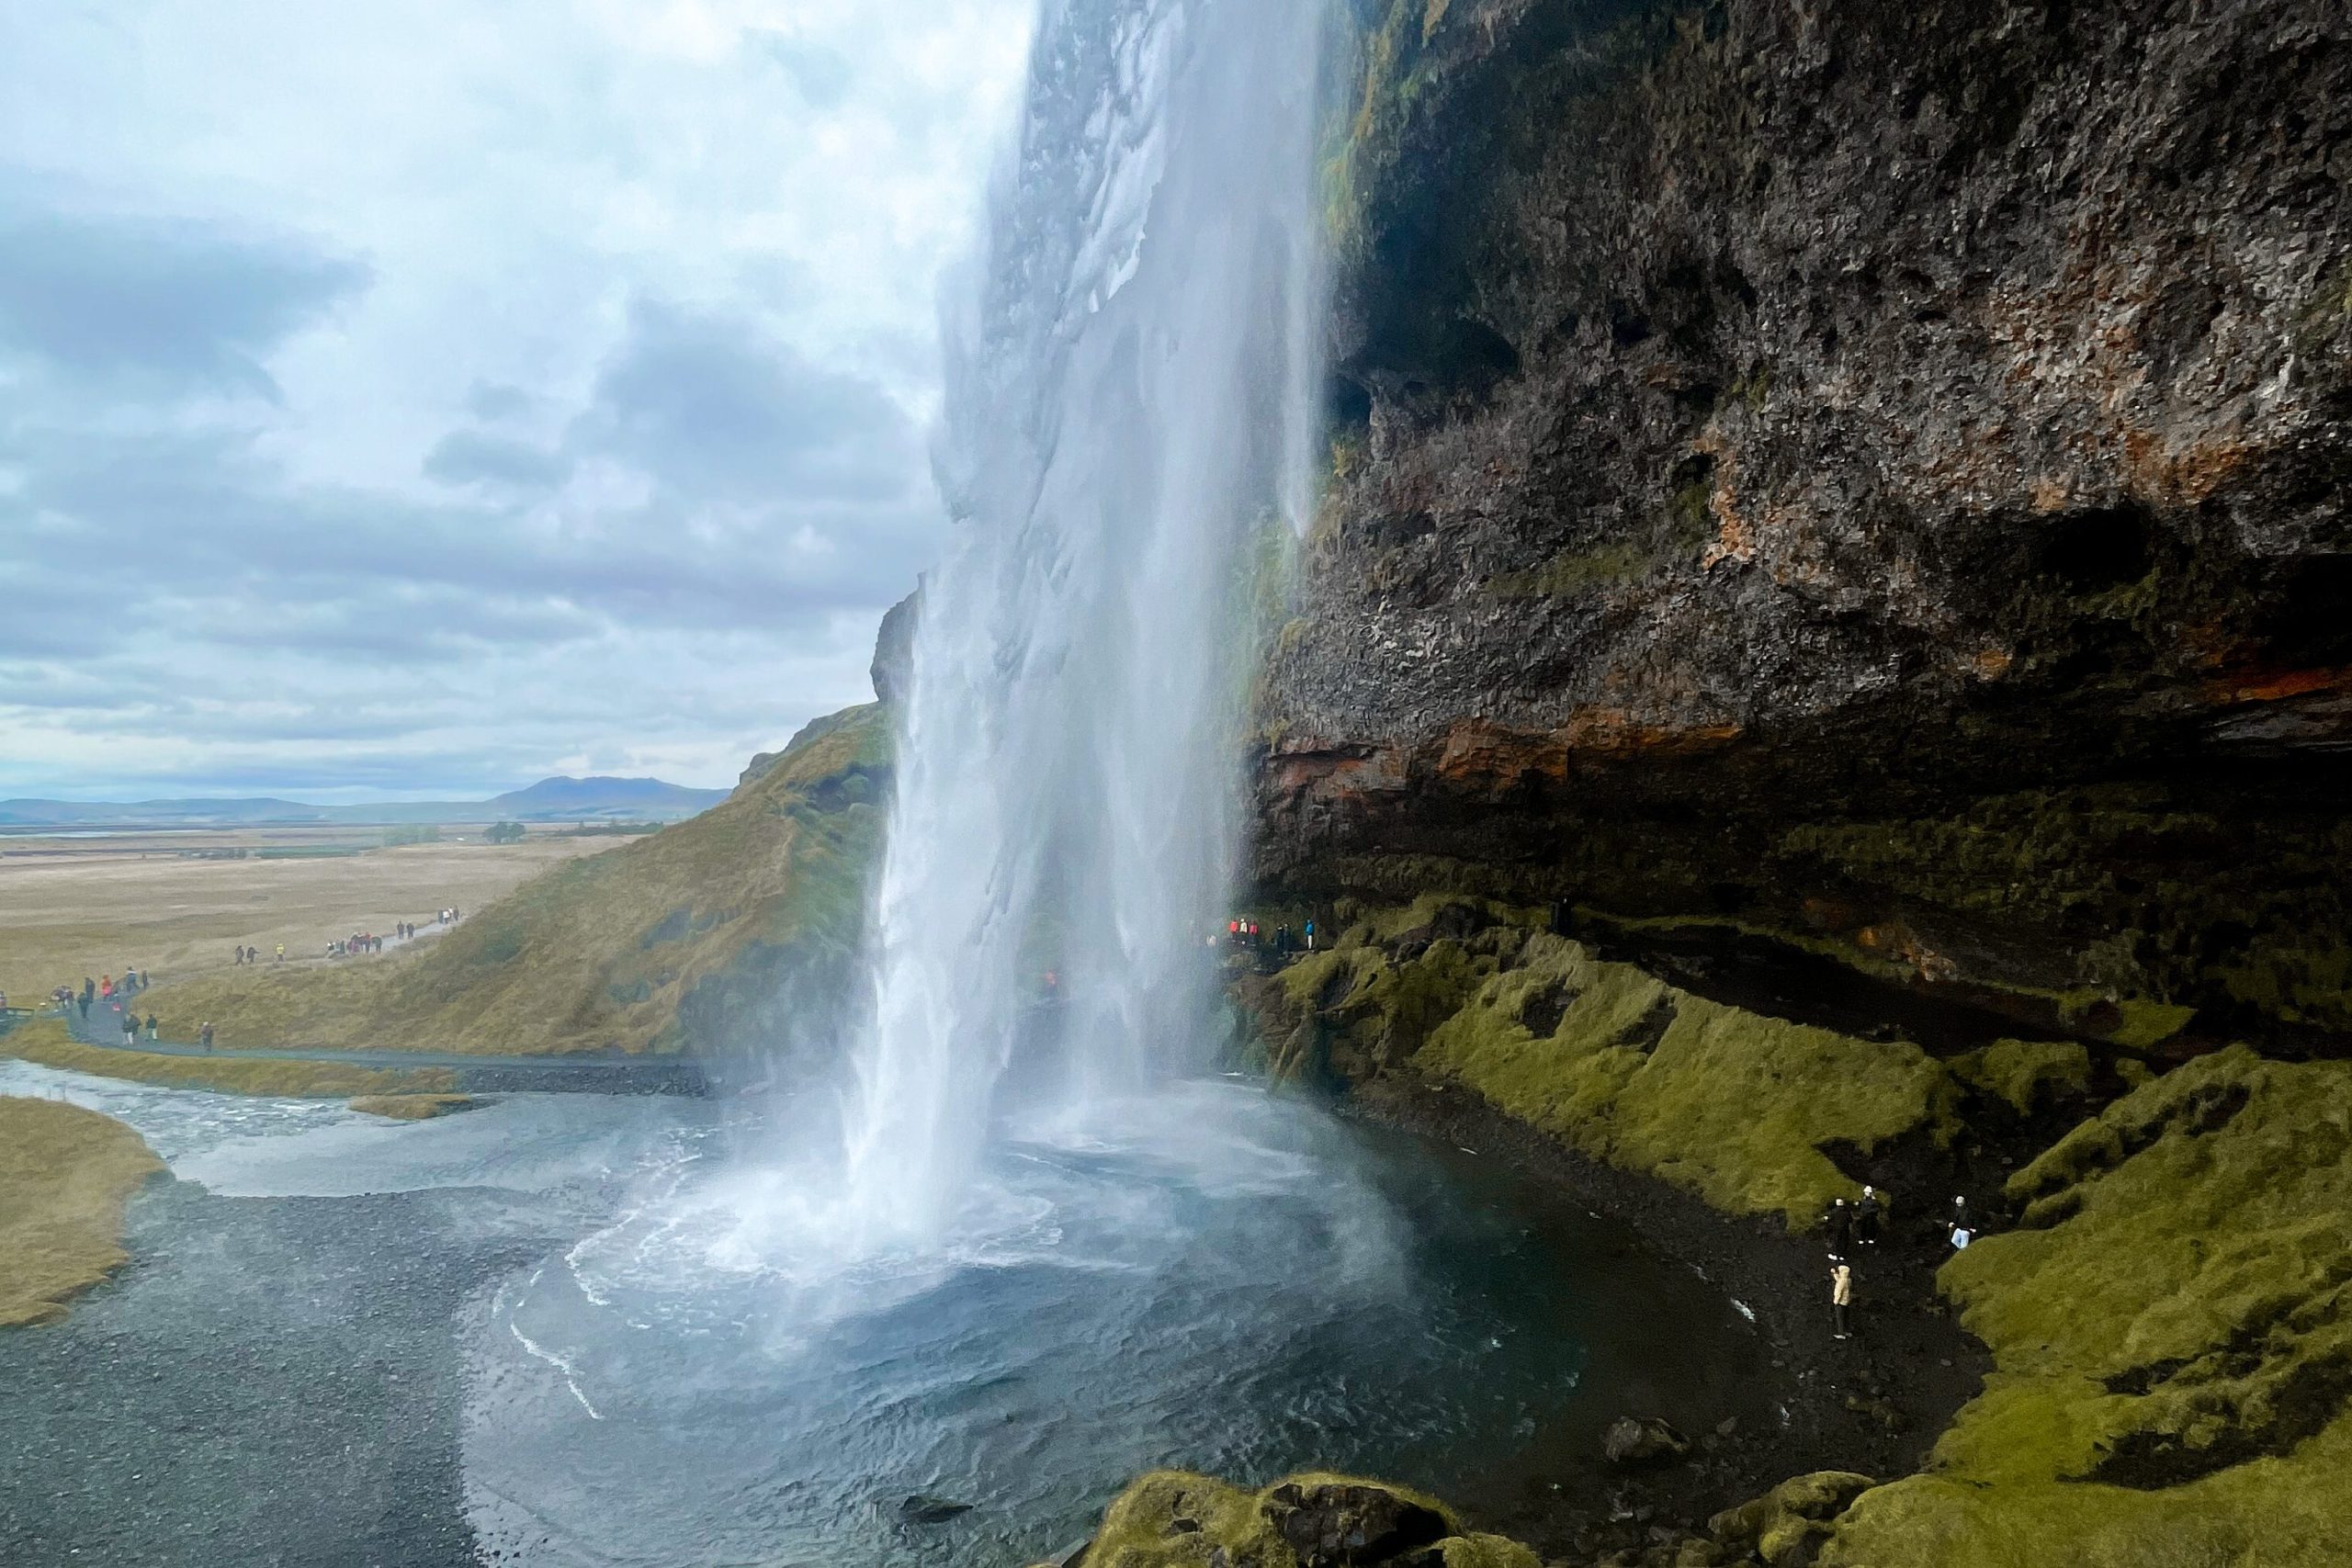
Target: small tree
506, 833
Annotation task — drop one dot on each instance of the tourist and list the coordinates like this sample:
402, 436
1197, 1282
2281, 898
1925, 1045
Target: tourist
131, 1028
1869, 1216
240, 955
1838, 1227
152, 1027
106, 987
204, 1036
281, 952
1959, 1215
1311, 936
1841, 1297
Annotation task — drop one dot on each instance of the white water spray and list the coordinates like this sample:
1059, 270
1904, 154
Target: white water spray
1134, 394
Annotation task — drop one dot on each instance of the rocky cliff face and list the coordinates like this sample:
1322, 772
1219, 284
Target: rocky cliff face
1870, 476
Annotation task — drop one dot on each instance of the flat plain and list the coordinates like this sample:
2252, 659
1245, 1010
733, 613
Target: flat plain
174, 905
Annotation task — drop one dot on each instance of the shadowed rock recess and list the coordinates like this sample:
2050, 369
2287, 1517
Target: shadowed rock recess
1825, 659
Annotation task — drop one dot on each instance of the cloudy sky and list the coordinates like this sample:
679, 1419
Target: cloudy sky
400, 397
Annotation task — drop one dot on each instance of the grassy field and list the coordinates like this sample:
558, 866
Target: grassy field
75, 906
66, 1174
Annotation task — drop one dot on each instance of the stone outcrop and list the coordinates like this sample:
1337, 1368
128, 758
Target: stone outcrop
1175, 1520
1870, 473
892, 669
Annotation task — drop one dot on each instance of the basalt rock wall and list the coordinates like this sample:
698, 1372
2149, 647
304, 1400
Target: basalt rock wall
1866, 474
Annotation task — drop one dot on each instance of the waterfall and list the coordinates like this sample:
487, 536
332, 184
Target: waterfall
1134, 394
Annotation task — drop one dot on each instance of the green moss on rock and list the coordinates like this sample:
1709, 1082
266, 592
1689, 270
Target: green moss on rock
2172, 1343
1177, 1519
2026, 1074
1730, 1104
1787, 1524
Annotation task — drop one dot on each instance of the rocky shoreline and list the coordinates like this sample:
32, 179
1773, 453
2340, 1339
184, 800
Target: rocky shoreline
1872, 1405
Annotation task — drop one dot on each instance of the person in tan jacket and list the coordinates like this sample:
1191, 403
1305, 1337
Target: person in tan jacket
1841, 1297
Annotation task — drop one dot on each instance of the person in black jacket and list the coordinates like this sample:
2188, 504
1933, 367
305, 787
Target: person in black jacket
1870, 1218
1837, 1228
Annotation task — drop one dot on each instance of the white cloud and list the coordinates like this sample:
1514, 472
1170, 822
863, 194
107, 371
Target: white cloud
535, 381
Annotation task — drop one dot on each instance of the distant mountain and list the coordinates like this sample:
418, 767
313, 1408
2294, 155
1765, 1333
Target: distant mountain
157, 813
550, 800
640, 799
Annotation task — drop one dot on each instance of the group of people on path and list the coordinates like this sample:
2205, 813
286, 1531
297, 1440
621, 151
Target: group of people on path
1857, 1228
357, 942
105, 988
116, 996
368, 941
1244, 932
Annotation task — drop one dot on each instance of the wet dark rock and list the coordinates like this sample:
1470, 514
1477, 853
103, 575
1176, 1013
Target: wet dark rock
894, 649
1874, 474
1630, 1441
1346, 1525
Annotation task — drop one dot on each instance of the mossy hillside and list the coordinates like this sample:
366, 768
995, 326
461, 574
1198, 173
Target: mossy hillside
2172, 1340
669, 941
1177, 1519
1733, 1105
2026, 1074
1730, 1104
65, 1175
48, 1043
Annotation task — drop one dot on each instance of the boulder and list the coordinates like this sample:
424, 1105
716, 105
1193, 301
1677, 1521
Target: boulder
1629, 1440
1345, 1524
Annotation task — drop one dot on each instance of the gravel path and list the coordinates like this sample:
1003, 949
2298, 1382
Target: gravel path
611, 1071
